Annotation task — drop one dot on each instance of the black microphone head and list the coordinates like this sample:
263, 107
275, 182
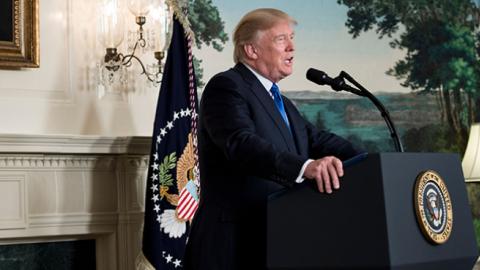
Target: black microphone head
338, 84
318, 76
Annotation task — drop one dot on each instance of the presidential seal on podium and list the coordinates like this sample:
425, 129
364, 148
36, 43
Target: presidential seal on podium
433, 207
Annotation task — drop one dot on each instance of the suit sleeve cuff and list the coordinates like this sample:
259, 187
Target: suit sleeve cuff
300, 177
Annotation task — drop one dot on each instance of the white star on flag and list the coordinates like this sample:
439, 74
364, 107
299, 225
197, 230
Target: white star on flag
188, 111
154, 177
154, 187
163, 132
169, 125
155, 166
175, 115
156, 208
155, 198
168, 258
177, 263
155, 156
159, 140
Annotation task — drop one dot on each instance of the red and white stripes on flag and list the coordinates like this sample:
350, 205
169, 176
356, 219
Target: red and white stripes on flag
187, 205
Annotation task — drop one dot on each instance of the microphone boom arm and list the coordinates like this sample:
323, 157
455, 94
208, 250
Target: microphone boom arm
362, 91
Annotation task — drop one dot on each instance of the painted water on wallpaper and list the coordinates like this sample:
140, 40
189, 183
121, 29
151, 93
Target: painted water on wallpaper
358, 120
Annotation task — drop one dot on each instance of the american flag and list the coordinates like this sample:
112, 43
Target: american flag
171, 196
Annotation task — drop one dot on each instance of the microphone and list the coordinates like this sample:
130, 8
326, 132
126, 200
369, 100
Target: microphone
319, 77
337, 83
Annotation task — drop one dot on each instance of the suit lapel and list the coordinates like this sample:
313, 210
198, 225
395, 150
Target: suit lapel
299, 135
269, 105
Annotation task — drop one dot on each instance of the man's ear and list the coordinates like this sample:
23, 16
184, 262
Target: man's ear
250, 51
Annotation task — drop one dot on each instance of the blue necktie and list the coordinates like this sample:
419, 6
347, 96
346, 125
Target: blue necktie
279, 103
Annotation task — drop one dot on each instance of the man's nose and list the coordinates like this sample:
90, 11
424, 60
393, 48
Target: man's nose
290, 45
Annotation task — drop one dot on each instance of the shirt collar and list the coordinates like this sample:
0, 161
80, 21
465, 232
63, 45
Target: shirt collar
267, 84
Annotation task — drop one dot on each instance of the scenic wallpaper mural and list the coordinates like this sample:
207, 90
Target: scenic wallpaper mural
420, 58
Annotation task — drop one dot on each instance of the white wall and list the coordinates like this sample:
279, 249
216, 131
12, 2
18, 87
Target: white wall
60, 97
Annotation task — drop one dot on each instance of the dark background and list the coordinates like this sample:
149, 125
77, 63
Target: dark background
6, 20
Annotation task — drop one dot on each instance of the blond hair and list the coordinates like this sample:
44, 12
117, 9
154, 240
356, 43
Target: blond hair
251, 24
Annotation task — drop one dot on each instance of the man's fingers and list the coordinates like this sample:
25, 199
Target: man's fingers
319, 184
337, 163
333, 175
326, 180
326, 172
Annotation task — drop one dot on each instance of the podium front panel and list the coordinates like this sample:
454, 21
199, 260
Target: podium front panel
370, 223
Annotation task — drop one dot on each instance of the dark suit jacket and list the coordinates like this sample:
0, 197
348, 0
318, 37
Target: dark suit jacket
246, 153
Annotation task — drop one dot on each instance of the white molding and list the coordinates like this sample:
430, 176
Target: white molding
136, 162
21, 220
106, 251
74, 144
72, 219
56, 162
57, 232
53, 96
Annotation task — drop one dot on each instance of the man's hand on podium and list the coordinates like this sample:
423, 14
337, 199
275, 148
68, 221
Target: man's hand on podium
326, 172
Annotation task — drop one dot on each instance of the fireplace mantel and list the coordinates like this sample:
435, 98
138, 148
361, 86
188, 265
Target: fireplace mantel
60, 187
68, 144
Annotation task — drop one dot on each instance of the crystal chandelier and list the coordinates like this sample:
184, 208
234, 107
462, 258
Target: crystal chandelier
152, 41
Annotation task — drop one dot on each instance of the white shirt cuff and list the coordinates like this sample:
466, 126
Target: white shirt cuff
300, 177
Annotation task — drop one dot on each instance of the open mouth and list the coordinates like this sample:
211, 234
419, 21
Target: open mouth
289, 60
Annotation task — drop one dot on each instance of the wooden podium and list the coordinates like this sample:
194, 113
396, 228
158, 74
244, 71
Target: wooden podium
372, 221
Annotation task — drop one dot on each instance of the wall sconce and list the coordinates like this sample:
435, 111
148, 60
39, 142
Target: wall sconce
471, 159
113, 67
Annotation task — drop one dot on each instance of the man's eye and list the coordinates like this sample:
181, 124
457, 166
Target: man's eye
280, 39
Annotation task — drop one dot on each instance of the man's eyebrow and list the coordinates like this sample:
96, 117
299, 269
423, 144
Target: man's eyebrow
285, 35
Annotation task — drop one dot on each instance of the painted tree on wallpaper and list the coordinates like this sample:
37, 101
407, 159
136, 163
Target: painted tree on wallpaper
441, 40
208, 28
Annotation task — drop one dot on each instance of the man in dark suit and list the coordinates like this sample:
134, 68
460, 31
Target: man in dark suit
254, 142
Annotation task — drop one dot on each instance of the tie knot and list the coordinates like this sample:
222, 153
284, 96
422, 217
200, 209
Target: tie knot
275, 90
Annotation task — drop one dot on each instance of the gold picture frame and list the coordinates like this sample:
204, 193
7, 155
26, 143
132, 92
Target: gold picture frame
19, 34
